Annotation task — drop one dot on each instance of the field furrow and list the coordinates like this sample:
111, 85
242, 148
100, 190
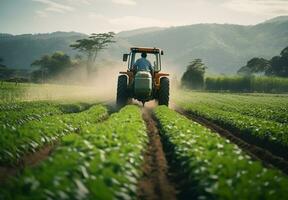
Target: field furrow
211, 166
102, 161
244, 119
155, 182
17, 116
36, 133
267, 108
255, 150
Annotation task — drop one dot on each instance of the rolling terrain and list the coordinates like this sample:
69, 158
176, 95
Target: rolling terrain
223, 47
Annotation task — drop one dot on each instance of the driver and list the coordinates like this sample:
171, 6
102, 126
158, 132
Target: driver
142, 64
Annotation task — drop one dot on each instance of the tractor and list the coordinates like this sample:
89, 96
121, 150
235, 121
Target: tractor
143, 85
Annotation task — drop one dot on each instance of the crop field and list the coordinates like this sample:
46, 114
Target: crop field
260, 119
12, 92
213, 166
205, 146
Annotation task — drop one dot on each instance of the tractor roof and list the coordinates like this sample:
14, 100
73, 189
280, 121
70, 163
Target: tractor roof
145, 49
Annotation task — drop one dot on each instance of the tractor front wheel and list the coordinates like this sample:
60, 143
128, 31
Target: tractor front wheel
122, 93
163, 94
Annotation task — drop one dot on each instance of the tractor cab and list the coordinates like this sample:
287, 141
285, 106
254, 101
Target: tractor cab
153, 55
143, 85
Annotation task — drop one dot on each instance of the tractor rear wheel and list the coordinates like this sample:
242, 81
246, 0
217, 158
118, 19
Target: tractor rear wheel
163, 94
122, 93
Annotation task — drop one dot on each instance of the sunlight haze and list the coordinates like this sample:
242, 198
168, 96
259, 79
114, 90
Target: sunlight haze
87, 16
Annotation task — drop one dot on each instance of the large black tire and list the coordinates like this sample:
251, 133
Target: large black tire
122, 93
163, 94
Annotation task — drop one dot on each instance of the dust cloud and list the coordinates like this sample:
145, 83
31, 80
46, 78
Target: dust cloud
100, 85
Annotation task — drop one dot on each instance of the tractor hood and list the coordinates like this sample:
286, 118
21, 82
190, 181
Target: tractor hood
143, 85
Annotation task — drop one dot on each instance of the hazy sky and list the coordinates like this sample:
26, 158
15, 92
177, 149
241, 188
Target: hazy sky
87, 16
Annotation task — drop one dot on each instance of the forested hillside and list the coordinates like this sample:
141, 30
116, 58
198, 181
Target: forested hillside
224, 48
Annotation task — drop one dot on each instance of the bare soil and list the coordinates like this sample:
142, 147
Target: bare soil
155, 183
256, 152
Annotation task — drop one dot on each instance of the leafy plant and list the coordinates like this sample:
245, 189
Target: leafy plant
212, 166
17, 141
259, 117
101, 162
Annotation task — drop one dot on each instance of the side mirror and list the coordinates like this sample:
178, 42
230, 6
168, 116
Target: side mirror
162, 52
125, 57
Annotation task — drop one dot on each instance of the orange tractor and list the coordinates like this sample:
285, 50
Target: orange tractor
143, 85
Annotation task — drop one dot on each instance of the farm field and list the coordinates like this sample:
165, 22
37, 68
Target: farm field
259, 118
213, 166
125, 100
101, 161
12, 92
88, 149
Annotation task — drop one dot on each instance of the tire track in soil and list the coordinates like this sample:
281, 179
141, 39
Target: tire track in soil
257, 153
155, 183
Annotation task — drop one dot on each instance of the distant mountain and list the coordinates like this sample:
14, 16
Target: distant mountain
278, 19
20, 51
223, 47
139, 31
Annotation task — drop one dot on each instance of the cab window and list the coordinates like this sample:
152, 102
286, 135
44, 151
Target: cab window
153, 58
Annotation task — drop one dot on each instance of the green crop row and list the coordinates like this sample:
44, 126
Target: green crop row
34, 134
249, 127
247, 84
102, 161
253, 111
213, 167
23, 105
272, 108
20, 114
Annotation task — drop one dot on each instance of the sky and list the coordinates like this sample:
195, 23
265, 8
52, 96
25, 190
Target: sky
92, 16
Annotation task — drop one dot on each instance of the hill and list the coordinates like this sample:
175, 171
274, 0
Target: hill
19, 51
223, 47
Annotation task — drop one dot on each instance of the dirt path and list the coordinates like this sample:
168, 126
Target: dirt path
256, 152
155, 183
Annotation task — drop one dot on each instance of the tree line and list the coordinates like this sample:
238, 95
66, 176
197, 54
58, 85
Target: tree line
50, 66
276, 66
274, 76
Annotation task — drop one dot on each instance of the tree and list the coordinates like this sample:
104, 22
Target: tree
255, 65
193, 78
93, 45
51, 66
2, 65
284, 53
279, 65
